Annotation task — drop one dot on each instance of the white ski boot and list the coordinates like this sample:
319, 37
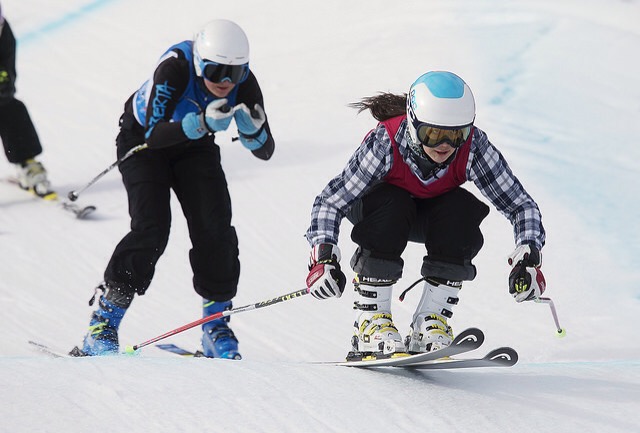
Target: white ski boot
429, 329
32, 176
374, 331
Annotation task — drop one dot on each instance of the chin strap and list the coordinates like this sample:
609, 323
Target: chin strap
429, 167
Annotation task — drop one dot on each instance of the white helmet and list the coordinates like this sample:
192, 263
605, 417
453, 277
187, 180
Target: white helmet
440, 108
221, 51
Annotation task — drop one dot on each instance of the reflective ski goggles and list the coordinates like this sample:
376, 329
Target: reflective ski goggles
434, 136
219, 73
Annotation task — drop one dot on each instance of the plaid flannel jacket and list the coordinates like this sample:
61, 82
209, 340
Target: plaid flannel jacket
371, 162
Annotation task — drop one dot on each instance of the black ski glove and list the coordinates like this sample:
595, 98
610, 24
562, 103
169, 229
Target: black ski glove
526, 281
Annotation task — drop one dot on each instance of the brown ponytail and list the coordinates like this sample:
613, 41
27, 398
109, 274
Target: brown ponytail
383, 106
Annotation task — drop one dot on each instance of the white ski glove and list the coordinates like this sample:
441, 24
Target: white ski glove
526, 281
325, 279
218, 115
250, 125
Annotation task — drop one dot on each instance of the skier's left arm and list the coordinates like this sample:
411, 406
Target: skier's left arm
490, 172
251, 120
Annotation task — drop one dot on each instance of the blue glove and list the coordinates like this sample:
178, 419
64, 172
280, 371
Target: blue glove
194, 126
250, 125
218, 115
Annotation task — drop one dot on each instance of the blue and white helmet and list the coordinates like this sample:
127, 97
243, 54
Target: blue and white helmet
438, 99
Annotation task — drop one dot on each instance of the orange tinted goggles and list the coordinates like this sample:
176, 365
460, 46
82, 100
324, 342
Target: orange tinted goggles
433, 136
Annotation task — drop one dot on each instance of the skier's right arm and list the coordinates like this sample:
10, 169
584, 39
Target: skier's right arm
170, 80
369, 164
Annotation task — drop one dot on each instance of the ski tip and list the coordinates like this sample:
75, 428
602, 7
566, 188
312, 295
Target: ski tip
503, 356
470, 336
85, 212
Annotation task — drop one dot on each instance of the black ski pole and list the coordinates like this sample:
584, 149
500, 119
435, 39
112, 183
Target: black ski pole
73, 195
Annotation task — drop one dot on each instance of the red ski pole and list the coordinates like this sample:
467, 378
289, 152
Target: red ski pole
261, 304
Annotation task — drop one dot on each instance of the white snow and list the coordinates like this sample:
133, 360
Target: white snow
558, 91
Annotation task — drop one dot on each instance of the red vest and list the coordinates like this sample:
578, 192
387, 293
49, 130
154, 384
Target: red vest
400, 174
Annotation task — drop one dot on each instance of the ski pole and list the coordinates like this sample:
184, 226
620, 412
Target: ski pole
267, 303
561, 332
73, 195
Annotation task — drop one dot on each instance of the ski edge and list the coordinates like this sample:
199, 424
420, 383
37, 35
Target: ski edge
43, 348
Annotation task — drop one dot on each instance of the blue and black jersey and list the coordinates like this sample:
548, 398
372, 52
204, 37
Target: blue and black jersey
175, 90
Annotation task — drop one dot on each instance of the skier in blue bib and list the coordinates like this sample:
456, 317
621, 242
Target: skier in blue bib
196, 90
403, 184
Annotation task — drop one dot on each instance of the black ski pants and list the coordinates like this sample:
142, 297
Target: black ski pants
18, 135
193, 171
388, 217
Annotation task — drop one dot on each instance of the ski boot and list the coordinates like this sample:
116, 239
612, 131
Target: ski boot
218, 340
32, 176
102, 338
429, 329
375, 335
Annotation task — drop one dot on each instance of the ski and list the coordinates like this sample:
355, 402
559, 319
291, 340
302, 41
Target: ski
80, 212
170, 347
466, 341
501, 357
76, 352
43, 348
53, 197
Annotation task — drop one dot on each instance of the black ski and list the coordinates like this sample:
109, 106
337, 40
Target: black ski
501, 357
170, 347
467, 341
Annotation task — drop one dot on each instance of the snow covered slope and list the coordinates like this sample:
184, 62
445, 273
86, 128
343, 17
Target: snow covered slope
558, 91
